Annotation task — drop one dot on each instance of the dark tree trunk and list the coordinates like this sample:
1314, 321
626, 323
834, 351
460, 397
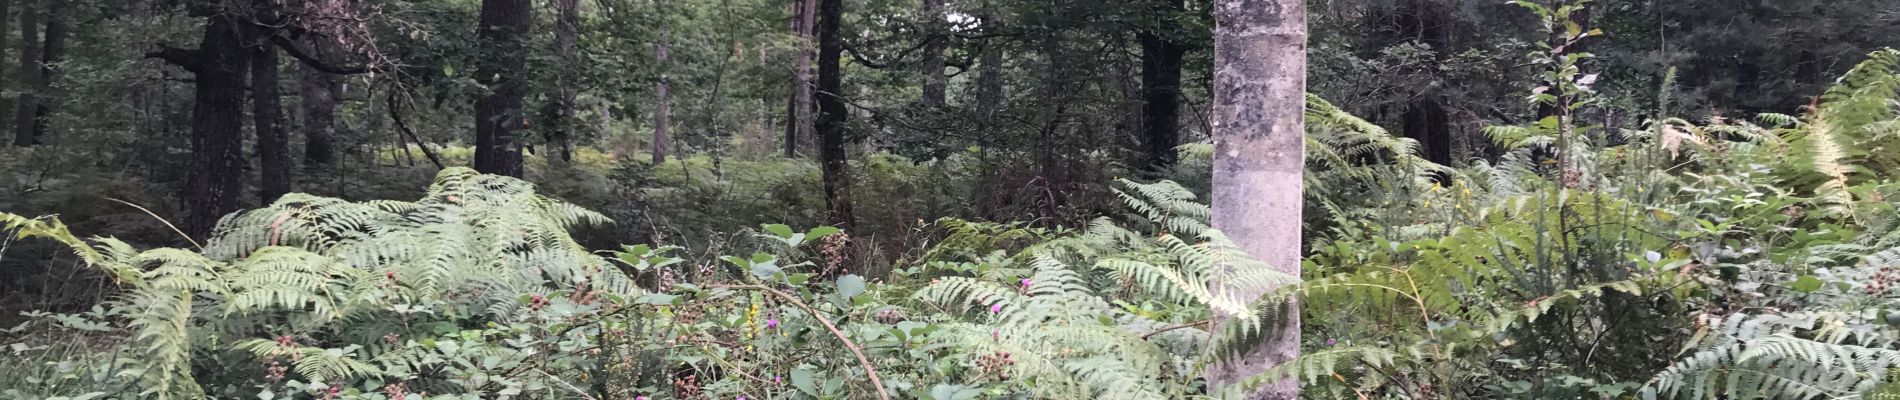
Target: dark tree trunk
503, 30
798, 121
1161, 58
29, 73
57, 28
1425, 121
216, 178
989, 81
661, 91
320, 92
936, 38
566, 34
831, 116
5, 10
273, 147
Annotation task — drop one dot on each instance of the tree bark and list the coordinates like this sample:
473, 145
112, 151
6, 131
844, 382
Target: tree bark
831, 116
936, 38
1426, 121
798, 116
273, 148
320, 93
57, 29
503, 30
661, 106
216, 178
5, 10
1161, 59
566, 35
29, 73
989, 81
1259, 156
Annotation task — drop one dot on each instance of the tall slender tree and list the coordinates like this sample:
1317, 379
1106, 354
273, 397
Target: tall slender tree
566, 37
503, 30
218, 67
6, 7
798, 121
662, 110
936, 39
1162, 54
58, 27
29, 73
319, 93
273, 145
831, 116
1259, 156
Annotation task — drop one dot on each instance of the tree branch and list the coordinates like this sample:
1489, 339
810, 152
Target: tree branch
395, 113
855, 350
191, 60
314, 62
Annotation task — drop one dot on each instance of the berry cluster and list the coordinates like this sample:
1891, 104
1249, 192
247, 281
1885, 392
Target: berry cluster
1883, 282
995, 364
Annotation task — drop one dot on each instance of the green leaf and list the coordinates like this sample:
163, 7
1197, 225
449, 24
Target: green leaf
822, 231
658, 299
802, 378
779, 230
1806, 284
850, 286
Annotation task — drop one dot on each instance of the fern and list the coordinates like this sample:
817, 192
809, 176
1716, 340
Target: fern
322, 267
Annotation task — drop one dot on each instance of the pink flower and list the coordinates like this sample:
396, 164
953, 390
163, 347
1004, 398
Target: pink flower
776, 381
1330, 342
996, 308
771, 323
639, 398
1027, 282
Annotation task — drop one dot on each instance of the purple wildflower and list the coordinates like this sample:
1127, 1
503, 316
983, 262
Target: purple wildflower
771, 323
996, 308
1027, 282
1330, 342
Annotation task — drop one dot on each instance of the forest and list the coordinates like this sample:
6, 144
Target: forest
949, 199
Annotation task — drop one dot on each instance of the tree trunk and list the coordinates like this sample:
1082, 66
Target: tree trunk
216, 178
936, 38
566, 34
989, 81
798, 117
57, 28
29, 73
5, 10
1161, 58
503, 33
1425, 120
662, 108
831, 116
1259, 156
273, 148
320, 92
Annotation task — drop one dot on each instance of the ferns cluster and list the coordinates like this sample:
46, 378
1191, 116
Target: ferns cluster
1069, 324
308, 272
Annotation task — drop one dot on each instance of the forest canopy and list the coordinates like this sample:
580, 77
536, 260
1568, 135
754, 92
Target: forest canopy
949, 199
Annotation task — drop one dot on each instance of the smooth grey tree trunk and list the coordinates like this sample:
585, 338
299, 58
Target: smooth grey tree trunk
1259, 154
